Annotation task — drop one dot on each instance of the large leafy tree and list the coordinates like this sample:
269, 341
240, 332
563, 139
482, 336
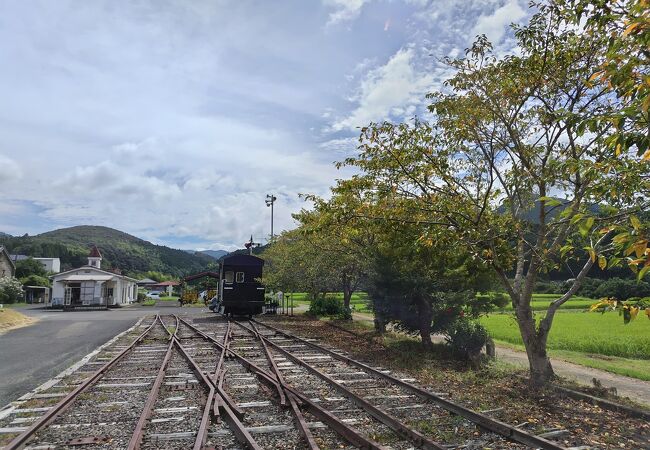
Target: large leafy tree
516, 167
29, 266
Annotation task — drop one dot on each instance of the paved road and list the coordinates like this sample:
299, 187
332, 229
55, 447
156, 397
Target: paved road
32, 355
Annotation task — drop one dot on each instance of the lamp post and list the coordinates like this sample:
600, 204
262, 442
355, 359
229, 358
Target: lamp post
270, 199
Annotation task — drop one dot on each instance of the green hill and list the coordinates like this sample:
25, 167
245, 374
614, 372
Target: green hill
119, 249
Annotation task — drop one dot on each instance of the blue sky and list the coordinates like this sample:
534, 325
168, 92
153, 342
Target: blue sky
171, 120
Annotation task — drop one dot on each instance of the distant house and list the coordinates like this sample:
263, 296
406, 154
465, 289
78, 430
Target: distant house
52, 265
7, 266
91, 286
165, 286
146, 282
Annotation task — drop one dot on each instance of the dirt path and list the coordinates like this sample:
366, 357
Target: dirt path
637, 390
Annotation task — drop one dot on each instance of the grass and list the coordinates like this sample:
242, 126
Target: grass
358, 302
634, 368
10, 319
170, 298
591, 333
16, 305
541, 302
149, 302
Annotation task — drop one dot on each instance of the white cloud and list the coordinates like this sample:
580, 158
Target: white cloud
345, 10
388, 90
494, 25
9, 170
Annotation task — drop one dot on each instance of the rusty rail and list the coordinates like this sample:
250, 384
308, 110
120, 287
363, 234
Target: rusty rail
482, 420
300, 419
20, 440
348, 433
136, 437
390, 421
233, 421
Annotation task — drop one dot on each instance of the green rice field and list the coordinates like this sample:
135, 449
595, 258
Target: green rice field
602, 334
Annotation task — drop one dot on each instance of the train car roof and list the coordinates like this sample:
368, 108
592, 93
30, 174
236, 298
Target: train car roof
243, 260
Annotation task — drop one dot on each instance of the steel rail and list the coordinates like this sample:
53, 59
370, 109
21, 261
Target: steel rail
351, 435
240, 432
213, 404
20, 440
396, 425
300, 419
136, 437
202, 433
274, 367
482, 420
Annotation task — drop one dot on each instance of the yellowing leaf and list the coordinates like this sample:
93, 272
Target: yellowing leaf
592, 254
617, 151
639, 248
630, 28
595, 75
636, 223
646, 155
602, 262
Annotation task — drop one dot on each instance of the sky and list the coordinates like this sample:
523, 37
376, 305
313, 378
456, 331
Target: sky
172, 119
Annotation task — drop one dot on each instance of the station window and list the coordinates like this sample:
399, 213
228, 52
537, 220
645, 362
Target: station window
230, 275
240, 277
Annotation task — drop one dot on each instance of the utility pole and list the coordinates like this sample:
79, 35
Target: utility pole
270, 199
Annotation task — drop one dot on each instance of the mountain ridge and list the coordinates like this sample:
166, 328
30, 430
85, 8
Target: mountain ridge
119, 249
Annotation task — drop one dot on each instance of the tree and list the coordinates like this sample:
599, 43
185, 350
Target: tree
319, 256
35, 280
10, 290
29, 266
516, 166
423, 287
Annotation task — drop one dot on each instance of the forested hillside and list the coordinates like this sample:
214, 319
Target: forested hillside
119, 249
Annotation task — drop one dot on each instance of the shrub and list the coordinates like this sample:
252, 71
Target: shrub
549, 287
618, 288
10, 290
466, 338
326, 306
622, 289
142, 296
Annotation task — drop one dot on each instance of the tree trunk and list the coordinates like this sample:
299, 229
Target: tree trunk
541, 371
380, 324
347, 295
424, 319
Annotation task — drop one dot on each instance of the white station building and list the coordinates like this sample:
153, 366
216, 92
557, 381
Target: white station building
90, 286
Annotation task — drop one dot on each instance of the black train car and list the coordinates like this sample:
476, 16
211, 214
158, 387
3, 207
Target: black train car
240, 289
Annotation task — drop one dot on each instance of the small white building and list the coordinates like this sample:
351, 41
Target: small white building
91, 286
52, 265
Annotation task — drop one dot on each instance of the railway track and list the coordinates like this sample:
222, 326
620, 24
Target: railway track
207, 383
388, 412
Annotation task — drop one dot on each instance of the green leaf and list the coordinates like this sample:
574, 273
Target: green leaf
642, 272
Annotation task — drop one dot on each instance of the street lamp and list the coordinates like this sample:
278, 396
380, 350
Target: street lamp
270, 199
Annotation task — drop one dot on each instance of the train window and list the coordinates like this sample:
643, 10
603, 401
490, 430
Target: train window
230, 275
240, 277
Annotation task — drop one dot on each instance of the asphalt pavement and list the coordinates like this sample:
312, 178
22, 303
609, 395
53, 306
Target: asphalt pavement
32, 355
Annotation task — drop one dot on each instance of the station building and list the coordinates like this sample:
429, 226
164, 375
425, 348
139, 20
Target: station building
91, 286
